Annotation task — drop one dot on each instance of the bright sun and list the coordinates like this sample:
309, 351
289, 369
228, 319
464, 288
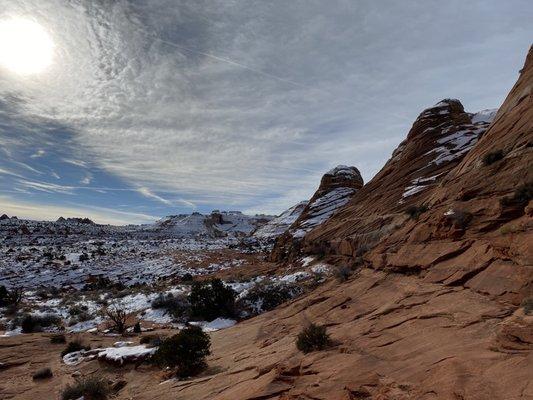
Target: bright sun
25, 46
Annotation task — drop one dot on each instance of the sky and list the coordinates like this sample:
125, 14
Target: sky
127, 111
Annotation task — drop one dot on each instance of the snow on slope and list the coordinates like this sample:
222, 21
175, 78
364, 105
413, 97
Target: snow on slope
217, 224
487, 115
280, 224
322, 208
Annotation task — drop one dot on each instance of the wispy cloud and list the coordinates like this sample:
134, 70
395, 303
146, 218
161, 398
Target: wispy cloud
147, 193
87, 179
245, 103
47, 187
38, 153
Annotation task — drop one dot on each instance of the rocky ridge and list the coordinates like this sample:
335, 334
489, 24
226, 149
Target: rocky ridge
439, 139
336, 188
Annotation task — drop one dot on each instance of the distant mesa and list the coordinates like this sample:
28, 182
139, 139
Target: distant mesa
86, 221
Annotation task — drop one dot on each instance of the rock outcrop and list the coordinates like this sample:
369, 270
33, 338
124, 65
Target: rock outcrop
337, 187
438, 140
476, 184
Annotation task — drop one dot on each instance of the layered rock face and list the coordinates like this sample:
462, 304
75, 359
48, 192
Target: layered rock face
337, 187
439, 139
477, 186
478, 230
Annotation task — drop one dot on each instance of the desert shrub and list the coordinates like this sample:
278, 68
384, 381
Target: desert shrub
35, 323
118, 317
415, 212
212, 299
11, 297
342, 273
103, 283
90, 388
151, 340
527, 303
492, 157
521, 197
265, 297
3, 295
74, 345
177, 306
80, 318
460, 219
78, 309
313, 338
58, 339
47, 293
186, 351
43, 373
79, 313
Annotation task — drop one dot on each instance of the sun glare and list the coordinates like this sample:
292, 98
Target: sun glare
25, 46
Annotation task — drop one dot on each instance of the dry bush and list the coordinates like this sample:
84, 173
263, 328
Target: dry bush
118, 317
313, 338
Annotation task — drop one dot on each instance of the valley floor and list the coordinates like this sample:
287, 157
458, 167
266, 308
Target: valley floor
395, 337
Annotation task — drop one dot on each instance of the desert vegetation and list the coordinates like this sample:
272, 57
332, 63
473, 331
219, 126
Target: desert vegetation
212, 299
313, 338
492, 157
90, 388
415, 212
43, 373
185, 352
521, 197
74, 345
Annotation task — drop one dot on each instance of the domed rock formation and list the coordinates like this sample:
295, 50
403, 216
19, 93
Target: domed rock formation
336, 188
439, 139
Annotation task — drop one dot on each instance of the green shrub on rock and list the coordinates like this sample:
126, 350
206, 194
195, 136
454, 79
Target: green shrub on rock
313, 338
212, 299
90, 388
186, 351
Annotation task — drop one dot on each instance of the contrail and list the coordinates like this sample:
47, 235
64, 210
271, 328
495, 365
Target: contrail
258, 71
222, 59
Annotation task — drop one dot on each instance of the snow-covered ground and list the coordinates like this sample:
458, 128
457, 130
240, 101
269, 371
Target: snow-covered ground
74, 280
130, 262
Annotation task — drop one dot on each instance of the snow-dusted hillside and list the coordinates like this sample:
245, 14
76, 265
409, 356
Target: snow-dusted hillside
216, 224
280, 224
336, 188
